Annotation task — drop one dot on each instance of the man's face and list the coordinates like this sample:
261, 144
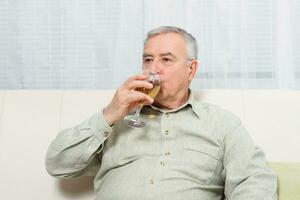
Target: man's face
166, 54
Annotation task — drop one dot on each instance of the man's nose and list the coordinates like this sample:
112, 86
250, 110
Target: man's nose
156, 66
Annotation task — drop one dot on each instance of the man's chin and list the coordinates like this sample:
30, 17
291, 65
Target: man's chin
158, 102
159, 96
158, 99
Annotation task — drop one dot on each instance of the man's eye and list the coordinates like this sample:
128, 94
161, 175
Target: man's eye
166, 60
147, 60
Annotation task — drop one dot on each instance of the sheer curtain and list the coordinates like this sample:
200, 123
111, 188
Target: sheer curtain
72, 44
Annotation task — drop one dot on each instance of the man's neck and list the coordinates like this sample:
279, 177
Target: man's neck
173, 103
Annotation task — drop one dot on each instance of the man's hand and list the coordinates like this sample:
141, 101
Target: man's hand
127, 98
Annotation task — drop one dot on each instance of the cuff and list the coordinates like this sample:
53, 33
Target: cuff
102, 128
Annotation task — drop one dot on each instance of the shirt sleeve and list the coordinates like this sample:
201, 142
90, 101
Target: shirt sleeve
245, 172
76, 151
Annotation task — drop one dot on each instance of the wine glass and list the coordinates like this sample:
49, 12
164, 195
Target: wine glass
135, 120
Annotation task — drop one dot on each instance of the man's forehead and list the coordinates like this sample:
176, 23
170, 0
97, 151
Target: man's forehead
164, 44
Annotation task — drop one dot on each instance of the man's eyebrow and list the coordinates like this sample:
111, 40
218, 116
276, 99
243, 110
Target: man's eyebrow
147, 55
167, 54
162, 54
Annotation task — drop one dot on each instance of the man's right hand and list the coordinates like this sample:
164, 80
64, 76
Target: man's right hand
127, 98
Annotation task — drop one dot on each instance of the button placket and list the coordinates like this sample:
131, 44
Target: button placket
169, 137
166, 137
164, 125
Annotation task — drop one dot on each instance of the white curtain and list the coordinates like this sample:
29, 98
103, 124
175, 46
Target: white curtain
97, 44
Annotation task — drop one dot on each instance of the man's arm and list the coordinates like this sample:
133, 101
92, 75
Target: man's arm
245, 173
75, 151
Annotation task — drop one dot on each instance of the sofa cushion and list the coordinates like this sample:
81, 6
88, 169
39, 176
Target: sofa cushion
288, 179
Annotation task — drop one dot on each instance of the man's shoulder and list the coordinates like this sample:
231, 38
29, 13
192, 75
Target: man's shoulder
215, 113
211, 108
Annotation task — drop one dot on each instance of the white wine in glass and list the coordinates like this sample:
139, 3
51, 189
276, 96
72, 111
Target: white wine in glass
134, 120
150, 92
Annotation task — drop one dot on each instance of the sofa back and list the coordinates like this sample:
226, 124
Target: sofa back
30, 119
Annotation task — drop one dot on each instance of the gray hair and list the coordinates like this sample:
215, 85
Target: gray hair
190, 41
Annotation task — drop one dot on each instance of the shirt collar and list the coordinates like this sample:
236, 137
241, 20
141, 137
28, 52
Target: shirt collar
190, 102
194, 103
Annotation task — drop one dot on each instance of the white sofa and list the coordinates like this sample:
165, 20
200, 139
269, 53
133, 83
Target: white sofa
30, 119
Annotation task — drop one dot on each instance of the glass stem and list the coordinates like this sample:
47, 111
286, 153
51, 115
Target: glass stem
138, 110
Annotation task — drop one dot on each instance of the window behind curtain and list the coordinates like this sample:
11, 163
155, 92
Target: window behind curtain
97, 44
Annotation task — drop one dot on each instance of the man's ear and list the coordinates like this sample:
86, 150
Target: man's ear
193, 66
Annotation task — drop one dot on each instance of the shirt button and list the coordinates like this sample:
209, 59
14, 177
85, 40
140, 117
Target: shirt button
151, 181
167, 132
167, 153
167, 115
162, 163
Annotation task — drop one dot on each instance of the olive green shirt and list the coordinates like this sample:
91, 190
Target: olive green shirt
198, 151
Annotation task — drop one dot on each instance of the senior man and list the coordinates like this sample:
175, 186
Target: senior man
188, 149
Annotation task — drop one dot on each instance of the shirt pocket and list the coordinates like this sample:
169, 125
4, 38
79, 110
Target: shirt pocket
201, 161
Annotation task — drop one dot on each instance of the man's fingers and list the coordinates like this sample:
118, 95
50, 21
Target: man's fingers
138, 84
136, 77
135, 96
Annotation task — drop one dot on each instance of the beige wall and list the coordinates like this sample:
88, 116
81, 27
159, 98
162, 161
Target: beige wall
29, 120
